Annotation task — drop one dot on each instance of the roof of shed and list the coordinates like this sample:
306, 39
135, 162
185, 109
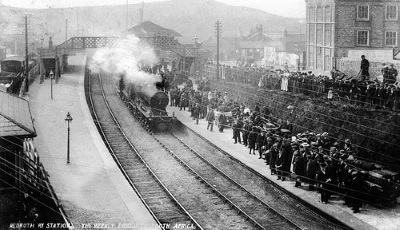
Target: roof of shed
15, 116
148, 29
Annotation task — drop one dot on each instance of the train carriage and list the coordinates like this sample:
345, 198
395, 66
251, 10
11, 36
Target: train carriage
11, 75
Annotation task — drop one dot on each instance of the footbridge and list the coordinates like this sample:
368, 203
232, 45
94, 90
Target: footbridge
56, 58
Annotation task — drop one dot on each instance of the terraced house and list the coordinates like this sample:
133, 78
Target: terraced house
338, 29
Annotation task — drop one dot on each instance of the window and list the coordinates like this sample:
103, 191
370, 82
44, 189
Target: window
327, 60
312, 34
311, 14
311, 56
391, 13
319, 58
319, 34
328, 35
319, 14
391, 38
328, 14
362, 37
363, 12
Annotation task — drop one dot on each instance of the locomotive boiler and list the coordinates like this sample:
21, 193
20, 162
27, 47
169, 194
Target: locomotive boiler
148, 103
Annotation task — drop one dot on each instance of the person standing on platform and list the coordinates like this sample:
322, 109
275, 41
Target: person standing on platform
210, 117
221, 122
298, 165
246, 131
237, 126
268, 146
355, 193
172, 96
280, 164
311, 171
261, 143
288, 153
273, 156
196, 113
252, 140
364, 69
178, 94
323, 178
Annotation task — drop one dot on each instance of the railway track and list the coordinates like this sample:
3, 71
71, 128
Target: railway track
305, 217
157, 198
240, 198
235, 206
207, 209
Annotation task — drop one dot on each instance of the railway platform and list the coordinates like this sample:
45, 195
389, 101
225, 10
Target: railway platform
91, 188
370, 217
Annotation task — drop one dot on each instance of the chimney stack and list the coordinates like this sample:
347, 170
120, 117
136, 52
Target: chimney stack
50, 43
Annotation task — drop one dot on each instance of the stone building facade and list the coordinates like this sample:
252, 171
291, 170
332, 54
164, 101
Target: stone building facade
339, 29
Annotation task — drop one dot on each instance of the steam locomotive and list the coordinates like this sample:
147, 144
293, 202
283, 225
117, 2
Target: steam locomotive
148, 103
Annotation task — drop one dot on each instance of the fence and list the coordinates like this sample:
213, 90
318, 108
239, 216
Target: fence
33, 73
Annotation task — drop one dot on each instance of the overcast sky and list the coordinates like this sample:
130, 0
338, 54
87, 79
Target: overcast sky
288, 8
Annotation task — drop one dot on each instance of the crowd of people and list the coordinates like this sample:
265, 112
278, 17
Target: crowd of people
357, 90
313, 159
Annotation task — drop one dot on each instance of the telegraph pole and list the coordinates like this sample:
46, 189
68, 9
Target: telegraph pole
218, 27
141, 12
26, 55
126, 26
66, 29
77, 22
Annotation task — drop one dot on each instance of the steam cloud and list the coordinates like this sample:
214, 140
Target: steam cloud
125, 56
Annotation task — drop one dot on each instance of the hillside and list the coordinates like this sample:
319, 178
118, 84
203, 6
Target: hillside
191, 18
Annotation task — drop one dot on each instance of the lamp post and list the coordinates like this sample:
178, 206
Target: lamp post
51, 83
68, 119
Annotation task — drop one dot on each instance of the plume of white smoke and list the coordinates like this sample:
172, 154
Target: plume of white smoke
125, 56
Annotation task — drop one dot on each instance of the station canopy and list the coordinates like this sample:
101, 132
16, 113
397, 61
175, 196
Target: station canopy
15, 116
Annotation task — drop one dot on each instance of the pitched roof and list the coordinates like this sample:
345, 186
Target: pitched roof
15, 116
296, 37
253, 44
258, 36
148, 29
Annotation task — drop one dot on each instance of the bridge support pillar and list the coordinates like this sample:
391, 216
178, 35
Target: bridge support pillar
41, 70
61, 65
57, 71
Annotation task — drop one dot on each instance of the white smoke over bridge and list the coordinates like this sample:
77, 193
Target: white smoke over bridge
125, 56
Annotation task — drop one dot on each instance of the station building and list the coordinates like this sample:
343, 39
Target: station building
340, 29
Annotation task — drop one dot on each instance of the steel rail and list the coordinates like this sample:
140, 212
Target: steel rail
304, 203
237, 184
97, 122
